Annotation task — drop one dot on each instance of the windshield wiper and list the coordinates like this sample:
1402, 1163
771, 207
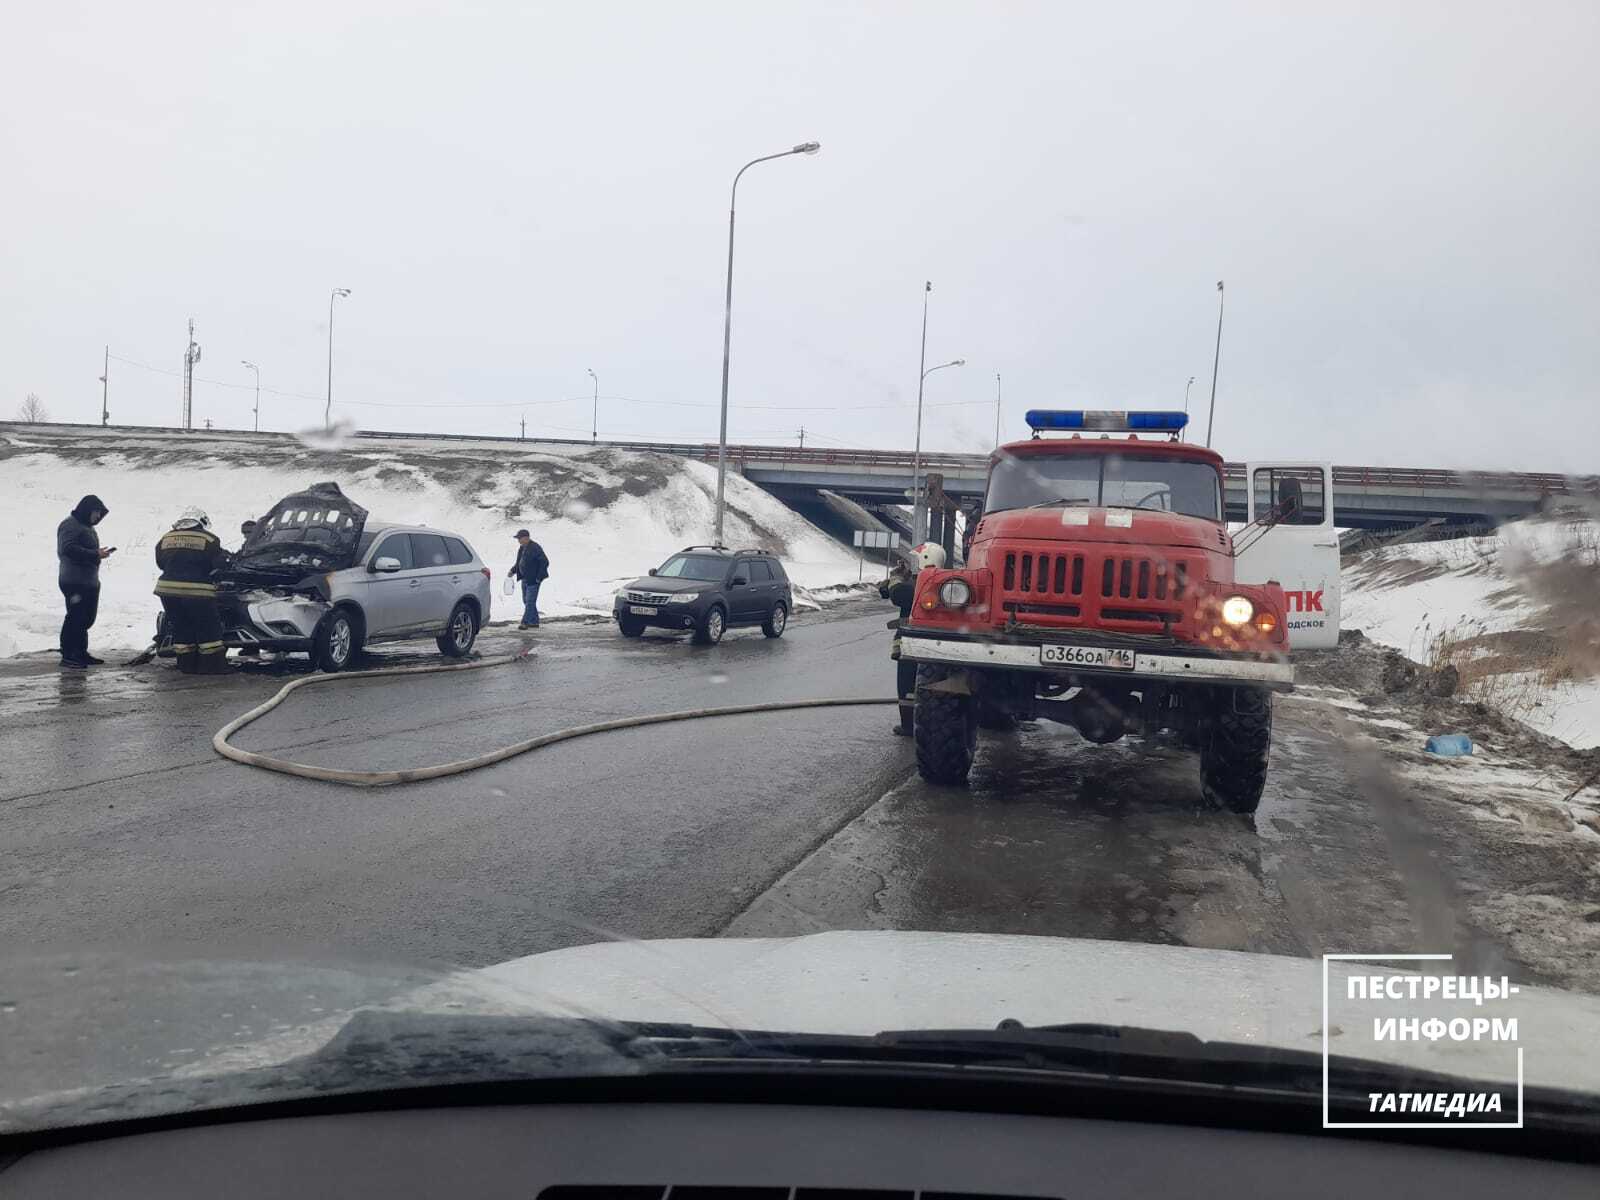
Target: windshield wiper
1059, 500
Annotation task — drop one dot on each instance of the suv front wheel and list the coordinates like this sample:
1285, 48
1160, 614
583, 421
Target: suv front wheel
712, 626
774, 625
337, 641
460, 632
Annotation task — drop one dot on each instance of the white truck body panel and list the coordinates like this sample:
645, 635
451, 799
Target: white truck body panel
1301, 554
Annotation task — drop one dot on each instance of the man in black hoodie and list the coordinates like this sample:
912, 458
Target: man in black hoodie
79, 552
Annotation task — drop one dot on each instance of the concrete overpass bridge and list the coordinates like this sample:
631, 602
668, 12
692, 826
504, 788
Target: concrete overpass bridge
1363, 497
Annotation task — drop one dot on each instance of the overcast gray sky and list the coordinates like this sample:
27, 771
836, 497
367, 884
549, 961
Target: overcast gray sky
1401, 198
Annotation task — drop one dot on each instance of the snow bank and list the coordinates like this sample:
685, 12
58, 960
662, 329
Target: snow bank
1514, 611
604, 516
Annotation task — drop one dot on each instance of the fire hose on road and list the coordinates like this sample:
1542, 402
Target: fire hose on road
268, 762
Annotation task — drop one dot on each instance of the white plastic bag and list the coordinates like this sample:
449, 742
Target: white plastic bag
508, 587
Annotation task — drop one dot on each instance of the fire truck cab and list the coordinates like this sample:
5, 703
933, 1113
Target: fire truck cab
1103, 589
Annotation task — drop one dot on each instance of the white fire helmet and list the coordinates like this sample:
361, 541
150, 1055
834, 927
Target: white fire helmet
929, 554
192, 518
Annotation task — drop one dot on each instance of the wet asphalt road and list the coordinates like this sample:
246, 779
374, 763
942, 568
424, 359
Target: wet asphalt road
123, 829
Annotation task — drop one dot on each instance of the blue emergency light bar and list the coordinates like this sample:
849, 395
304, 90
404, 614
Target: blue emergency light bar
1106, 420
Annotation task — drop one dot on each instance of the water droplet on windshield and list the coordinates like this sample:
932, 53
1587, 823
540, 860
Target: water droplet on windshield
8, 1006
499, 791
69, 969
577, 510
716, 677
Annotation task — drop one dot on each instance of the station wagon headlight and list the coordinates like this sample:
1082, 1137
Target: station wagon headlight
955, 593
1236, 610
683, 597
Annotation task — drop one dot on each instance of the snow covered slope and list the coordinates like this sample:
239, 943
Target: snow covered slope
603, 516
1515, 612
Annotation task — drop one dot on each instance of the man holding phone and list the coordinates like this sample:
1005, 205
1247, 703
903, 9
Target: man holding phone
80, 554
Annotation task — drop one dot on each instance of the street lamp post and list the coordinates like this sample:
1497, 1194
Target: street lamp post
594, 435
919, 515
727, 323
327, 412
256, 411
1216, 359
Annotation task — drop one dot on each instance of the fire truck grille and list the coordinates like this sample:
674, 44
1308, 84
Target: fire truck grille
1142, 579
1043, 574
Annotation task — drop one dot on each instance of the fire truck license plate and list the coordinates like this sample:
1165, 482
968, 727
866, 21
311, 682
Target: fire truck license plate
1086, 656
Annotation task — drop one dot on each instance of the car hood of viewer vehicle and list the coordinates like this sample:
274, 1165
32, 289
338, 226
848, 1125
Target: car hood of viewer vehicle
97, 1039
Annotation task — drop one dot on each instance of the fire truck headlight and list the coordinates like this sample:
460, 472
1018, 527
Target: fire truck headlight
954, 593
1236, 610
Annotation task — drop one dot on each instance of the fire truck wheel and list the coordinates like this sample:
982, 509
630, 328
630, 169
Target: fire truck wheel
1233, 749
946, 728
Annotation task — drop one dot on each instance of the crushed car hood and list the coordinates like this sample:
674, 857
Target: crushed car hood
315, 530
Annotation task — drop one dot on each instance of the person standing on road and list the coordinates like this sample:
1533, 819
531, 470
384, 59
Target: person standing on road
901, 589
533, 568
78, 549
189, 555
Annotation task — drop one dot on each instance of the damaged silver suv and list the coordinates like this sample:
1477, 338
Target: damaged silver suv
315, 575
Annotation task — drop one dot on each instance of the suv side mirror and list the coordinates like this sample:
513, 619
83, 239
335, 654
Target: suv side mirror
652, 570
385, 564
738, 581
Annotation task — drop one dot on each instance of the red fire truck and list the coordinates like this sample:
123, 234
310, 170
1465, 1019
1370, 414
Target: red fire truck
1104, 590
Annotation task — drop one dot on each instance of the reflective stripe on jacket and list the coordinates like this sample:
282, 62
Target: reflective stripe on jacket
188, 558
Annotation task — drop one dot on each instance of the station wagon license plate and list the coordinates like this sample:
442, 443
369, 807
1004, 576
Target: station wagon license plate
1086, 656
643, 610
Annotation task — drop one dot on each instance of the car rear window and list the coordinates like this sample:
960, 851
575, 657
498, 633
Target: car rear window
457, 549
760, 572
427, 550
777, 570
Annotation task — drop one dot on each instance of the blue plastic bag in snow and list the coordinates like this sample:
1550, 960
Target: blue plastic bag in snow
1449, 745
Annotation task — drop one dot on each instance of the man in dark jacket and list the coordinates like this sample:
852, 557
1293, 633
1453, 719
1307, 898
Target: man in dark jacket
79, 552
533, 568
189, 555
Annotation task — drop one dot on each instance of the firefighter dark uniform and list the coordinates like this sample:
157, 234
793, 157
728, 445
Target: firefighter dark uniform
901, 589
189, 555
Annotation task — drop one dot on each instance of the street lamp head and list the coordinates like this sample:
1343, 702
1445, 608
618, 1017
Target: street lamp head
341, 291
808, 148
960, 362
592, 375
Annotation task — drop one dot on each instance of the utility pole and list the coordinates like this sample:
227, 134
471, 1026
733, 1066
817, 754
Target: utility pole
105, 387
802, 437
255, 413
327, 412
523, 436
916, 454
190, 357
997, 410
1212, 416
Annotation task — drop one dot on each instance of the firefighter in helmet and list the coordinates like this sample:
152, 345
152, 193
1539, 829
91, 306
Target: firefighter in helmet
901, 589
189, 556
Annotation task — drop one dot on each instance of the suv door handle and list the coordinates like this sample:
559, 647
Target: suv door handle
416, 583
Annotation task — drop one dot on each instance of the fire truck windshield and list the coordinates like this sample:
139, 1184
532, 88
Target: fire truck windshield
1108, 481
